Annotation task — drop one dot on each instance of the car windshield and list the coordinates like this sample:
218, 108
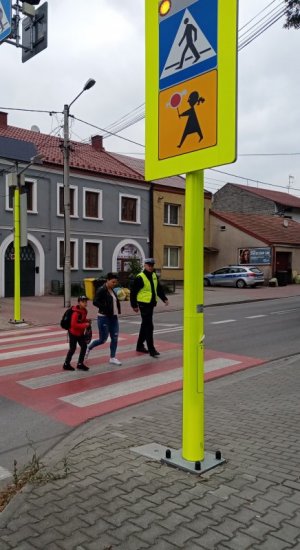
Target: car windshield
255, 270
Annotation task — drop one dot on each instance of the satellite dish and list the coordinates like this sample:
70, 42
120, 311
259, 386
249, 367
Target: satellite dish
35, 128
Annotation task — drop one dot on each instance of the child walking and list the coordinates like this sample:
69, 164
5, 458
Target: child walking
79, 323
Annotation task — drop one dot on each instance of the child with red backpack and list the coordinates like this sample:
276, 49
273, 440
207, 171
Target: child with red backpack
78, 325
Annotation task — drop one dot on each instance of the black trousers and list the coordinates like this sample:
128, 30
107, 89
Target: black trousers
72, 348
147, 327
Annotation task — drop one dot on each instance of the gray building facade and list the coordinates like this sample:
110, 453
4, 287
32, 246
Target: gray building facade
109, 215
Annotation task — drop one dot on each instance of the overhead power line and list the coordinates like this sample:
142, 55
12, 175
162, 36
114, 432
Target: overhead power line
31, 110
111, 133
257, 15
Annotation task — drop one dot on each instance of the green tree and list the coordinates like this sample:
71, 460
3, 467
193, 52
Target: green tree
292, 14
134, 267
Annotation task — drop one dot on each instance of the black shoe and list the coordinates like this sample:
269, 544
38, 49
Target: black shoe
68, 367
82, 367
142, 349
154, 353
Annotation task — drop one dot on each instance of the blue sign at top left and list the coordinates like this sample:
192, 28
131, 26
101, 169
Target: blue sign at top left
187, 41
5, 19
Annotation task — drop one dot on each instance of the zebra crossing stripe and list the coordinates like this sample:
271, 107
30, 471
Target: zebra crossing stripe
32, 337
4, 474
45, 381
114, 391
32, 351
219, 363
100, 395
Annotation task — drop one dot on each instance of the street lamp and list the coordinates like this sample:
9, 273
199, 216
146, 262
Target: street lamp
67, 221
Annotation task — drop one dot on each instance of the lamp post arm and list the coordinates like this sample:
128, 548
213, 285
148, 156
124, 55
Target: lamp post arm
75, 99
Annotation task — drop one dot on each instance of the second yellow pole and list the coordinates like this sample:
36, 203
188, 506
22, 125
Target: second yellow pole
193, 323
17, 257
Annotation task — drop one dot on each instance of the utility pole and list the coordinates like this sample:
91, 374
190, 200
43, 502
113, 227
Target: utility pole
291, 181
67, 207
67, 212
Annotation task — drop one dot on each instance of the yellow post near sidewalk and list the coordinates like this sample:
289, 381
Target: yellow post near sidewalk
192, 456
193, 322
17, 256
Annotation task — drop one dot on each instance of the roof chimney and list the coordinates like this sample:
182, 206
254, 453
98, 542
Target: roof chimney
3, 119
97, 143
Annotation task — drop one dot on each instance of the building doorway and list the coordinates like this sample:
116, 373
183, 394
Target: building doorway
124, 254
27, 262
284, 266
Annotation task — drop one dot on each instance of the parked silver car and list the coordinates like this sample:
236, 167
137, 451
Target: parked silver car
235, 275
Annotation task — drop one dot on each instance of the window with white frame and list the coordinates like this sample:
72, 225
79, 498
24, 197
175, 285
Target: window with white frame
61, 253
73, 200
30, 188
171, 214
130, 207
92, 254
92, 204
171, 256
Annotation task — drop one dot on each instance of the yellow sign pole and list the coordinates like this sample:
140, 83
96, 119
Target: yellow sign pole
193, 323
17, 256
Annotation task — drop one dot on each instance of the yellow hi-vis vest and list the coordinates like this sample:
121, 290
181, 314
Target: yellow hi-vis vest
145, 294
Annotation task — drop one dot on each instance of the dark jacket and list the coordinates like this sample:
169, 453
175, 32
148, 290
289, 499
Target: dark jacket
104, 302
138, 284
78, 321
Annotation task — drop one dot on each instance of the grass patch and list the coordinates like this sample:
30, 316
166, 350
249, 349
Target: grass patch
34, 472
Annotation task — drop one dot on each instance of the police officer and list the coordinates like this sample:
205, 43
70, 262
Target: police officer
143, 297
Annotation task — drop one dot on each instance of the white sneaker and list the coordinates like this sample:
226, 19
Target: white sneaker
115, 361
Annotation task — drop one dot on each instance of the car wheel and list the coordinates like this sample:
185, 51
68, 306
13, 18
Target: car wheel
206, 282
240, 283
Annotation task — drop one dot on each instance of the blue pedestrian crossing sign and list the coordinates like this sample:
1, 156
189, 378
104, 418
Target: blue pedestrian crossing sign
187, 42
5, 19
191, 73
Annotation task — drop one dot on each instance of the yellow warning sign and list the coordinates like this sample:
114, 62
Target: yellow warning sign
187, 119
191, 85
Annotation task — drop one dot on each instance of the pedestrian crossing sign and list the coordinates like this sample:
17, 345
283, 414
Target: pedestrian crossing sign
191, 51
5, 19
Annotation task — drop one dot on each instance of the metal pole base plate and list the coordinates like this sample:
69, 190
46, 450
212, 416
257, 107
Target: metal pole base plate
173, 457
18, 323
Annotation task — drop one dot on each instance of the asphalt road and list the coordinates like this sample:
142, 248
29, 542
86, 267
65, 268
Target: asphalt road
266, 330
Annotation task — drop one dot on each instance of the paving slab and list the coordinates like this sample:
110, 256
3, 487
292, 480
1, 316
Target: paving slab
113, 498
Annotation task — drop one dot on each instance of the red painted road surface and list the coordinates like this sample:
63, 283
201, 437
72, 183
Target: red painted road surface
31, 374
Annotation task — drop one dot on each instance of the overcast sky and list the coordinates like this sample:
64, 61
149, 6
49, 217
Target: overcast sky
104, 39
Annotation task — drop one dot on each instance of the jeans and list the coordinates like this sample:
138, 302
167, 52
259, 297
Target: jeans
72, 347
107, 326
146, 329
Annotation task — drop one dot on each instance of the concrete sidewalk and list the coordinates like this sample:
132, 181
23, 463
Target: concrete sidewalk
48, 310
115, 498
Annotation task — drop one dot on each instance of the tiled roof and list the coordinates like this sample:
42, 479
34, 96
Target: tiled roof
83, 156
177, 182
277, 196
139, 166
270, 229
